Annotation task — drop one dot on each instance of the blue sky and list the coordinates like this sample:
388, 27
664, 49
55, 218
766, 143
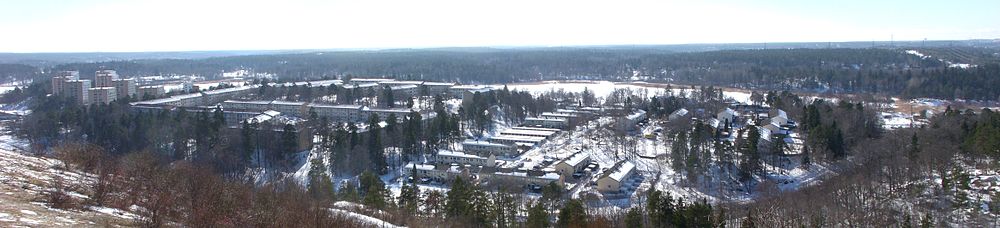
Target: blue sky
183, 25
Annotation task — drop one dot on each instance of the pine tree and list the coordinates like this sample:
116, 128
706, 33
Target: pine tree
320, 186
633, 218
458, 199
376, 150
572, 215
538, 217
289, 139
409, 195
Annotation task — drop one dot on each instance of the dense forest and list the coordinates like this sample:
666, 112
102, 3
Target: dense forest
887, 71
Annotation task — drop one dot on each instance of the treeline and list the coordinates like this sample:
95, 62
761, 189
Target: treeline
883, 71
19, 72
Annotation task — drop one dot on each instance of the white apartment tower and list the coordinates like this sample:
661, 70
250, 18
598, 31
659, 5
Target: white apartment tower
78, 90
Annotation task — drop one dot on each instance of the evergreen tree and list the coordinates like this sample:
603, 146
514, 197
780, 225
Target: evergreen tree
409, 196
320, 186
538, 217
376, 151
572, 215
633, 218
289, 139
388, 99
458, 199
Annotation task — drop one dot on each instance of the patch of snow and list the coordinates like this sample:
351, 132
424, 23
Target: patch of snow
368, 220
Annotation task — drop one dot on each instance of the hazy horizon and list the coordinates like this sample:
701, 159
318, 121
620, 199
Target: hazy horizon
50, 26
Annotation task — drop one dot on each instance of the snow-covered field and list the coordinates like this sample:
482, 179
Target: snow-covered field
604, 88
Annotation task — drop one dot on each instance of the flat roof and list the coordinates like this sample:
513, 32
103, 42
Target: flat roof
565, 115
519, 138
336, 106
544, 119
536, 129
439, 83
528, 132
449, 153
483, 143
247, 102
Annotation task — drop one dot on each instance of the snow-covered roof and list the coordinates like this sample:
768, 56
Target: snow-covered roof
483, 143
401, 82
272, 113
280, 102
324, 82
679, 112
361, 85
227, 90
337, 106
545, 119
637, 114
371, 79
247, 102
420, 166
519, 138
449, 153
575, 159
399, 87
439, 83
561, 115
467, 87
536, 129
546, 176
621, 170
168, 99
528, 132
713, 122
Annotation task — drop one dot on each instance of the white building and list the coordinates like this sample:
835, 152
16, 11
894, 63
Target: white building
518, 140
77, 90
449, 157
486, 148
528, 133
726, 115
338, 113
546, 123
102, 95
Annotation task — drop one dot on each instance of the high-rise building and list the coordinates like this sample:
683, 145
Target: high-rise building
125, 87
78, 90
59, 80
104, 78
102, 95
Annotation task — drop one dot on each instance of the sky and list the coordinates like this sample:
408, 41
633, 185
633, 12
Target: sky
202, 25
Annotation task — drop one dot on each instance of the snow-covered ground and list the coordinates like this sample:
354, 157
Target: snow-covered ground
599, 88
23, 180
